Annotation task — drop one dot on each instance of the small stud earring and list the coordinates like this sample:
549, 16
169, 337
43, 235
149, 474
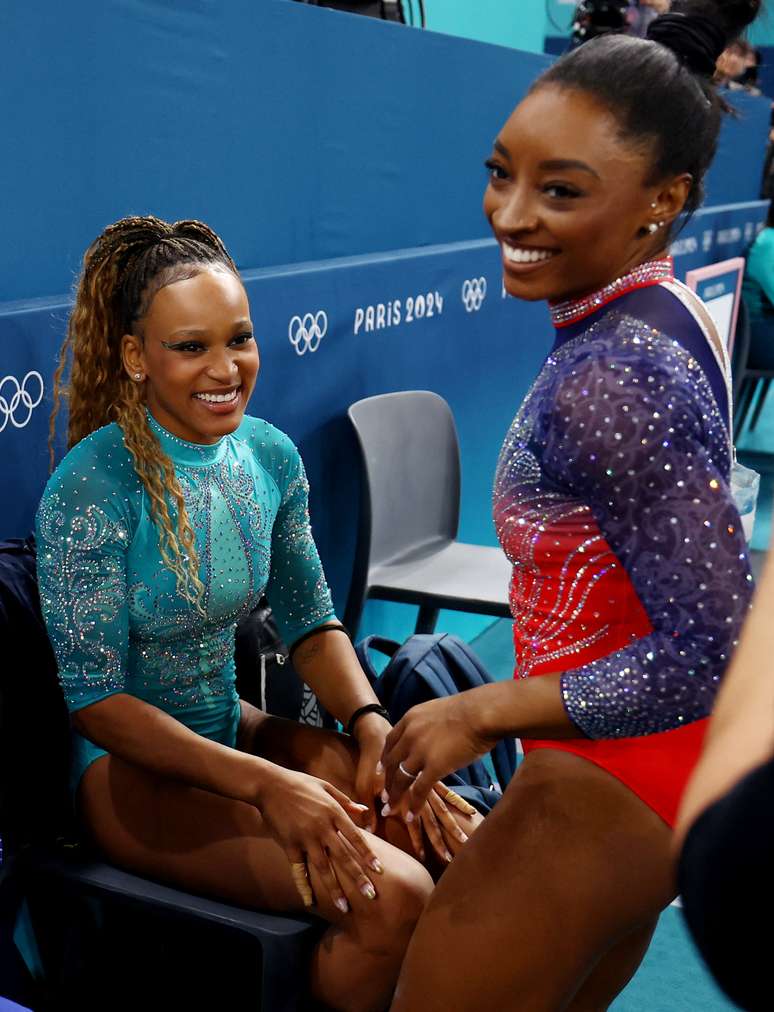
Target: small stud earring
138, 376
653, 228
654, 205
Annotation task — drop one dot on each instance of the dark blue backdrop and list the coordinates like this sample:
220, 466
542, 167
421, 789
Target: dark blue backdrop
388, 322
299, 133
302, 135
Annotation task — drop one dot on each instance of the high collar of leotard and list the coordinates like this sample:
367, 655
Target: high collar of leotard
652, 272
185, 453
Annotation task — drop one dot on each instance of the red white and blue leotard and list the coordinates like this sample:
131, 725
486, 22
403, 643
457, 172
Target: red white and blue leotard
612, 501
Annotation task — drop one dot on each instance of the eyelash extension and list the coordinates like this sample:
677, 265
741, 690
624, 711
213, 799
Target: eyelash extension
492, 166
196, 346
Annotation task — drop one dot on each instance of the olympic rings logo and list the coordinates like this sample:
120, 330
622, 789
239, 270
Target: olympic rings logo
473, 294
305, 332
17, 398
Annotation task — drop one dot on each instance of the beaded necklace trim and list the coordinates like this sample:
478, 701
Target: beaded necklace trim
653, 272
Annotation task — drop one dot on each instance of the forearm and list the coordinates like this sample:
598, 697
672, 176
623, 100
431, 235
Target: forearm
143, 734
524, 708
328, 664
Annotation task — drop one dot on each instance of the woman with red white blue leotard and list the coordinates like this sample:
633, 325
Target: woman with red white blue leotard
613, 502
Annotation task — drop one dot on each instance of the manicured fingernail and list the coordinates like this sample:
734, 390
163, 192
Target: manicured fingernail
363, 808
308, 901
448, 856
368, 891
342, 904
462, 836
409, 816
386, 810
379, 768
376, 864
385, 796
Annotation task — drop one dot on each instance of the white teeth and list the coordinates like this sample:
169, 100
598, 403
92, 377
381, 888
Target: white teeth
218, 398
519, 255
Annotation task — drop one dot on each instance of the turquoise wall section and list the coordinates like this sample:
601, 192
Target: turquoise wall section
516, 23
762, 32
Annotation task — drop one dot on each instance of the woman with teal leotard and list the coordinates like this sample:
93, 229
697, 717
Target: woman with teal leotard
170, 516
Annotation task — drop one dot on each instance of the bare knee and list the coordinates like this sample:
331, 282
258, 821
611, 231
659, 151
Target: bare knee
387, 923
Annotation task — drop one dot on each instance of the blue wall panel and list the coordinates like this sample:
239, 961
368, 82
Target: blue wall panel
299, 133
388, 322
302, 135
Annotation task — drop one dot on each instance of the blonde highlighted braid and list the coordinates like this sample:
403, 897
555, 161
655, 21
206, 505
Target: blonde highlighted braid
122, 271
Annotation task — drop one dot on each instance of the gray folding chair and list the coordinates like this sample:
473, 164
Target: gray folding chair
407, 548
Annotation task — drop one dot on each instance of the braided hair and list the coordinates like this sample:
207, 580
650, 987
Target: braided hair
122, 271
661, 89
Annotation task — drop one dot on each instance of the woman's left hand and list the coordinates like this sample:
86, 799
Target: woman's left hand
370, 732
429, 742
434, 821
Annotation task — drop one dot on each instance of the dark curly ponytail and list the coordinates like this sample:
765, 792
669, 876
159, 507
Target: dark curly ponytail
661, 89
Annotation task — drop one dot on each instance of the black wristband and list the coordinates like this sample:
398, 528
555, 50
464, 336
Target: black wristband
362, 711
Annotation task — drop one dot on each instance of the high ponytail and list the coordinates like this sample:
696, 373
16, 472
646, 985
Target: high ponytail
661, 89
122, 271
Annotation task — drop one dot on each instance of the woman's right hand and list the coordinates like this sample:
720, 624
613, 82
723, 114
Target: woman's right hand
312, 822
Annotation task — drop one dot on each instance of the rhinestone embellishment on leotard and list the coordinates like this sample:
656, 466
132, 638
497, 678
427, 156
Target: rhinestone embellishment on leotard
651, 273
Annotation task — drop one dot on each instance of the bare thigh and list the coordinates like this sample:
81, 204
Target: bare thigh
613, 971
215, 845
330, 756
569, 866
219, 847
197, 840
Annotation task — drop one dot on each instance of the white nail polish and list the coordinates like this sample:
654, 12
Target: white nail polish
409, 816
342, 904
385, 796
386, 810
379, 768
368, 891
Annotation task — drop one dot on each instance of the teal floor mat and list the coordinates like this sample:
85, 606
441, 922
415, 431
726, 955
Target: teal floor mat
672, 977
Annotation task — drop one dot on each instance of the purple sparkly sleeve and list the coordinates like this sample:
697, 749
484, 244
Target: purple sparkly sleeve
630, 428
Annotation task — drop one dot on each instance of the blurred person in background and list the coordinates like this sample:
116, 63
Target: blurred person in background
642, 13
758, 290
725, 830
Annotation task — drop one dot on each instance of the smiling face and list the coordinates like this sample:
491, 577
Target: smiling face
567, 197
197, 355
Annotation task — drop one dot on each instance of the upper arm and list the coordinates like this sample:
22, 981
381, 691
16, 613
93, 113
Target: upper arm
296, 589
83, 533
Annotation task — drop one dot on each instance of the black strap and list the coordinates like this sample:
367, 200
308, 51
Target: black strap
362, 711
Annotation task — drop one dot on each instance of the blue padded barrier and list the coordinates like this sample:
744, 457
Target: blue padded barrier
299, 133
333, 332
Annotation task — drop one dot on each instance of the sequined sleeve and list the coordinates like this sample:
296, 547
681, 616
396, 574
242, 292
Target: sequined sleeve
297, 590
631, 429
83, 531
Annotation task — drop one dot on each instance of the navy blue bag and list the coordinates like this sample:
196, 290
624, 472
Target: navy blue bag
428, 667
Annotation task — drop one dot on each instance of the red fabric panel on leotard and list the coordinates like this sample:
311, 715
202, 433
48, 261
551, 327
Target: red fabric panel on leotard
576, 603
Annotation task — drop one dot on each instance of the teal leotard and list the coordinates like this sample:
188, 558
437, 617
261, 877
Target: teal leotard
110, 604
